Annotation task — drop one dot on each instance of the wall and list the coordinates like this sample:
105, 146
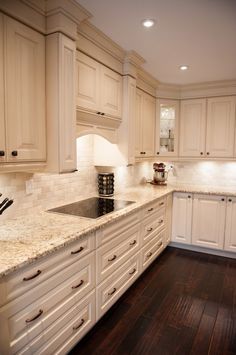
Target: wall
50, 190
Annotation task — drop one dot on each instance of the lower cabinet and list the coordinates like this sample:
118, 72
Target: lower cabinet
47, 307
182, 217
230, 229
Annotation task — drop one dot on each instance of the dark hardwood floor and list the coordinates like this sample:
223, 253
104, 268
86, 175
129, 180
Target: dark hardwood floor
185, 303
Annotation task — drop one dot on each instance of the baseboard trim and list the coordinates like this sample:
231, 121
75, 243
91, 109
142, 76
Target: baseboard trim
226, 254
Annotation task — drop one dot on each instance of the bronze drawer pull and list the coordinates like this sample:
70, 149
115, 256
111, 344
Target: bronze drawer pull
160, 244
79, 284
150, 209
161, 204
77, 251
149, 229
113, 291
35, 317
79, 325
113, 258
133, 242
33, 276
149, 254
132, 272
161, 221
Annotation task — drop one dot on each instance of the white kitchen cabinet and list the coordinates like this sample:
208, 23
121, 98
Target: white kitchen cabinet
182, 217
167, 127
208, 221
23, 139
144, 124
61, 111
192, 128
220, 126
168, 217
2, 110
99, 89
230, 228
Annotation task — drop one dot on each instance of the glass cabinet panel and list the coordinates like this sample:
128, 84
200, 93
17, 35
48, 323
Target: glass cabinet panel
167, 127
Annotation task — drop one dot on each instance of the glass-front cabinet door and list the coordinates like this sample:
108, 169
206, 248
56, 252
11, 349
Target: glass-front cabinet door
167, 127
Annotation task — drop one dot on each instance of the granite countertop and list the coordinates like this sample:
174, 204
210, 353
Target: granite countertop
26, 239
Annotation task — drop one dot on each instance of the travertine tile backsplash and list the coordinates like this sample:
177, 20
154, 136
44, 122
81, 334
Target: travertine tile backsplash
49, 190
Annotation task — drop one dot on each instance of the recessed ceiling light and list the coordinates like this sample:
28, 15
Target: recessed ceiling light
148, 23
183, 67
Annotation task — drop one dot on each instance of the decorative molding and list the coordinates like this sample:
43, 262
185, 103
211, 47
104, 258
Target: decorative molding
146, 82
168, 91
208, 89
132, 62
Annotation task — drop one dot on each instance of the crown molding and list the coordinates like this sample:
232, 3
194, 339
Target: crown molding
146, 82
132, 62
207, 89
168, 91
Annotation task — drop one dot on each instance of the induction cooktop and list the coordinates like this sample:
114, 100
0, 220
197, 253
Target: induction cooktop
93, 207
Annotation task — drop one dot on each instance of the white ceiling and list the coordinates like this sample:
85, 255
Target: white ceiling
200, 33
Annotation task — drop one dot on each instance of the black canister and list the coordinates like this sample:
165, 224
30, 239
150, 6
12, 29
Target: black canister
106, 184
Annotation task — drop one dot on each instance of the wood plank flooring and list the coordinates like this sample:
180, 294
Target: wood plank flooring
185, 303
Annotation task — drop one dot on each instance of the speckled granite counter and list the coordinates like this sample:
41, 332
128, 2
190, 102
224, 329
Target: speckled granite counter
26, 239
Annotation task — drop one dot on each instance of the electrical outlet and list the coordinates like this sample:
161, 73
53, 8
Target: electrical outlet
28, 187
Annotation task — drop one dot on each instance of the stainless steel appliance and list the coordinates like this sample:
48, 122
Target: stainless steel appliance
93, 207
160, 174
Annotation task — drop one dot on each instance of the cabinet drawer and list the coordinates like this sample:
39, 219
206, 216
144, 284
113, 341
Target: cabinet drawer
26, 322
153, 225
66, 331
117, 228
154, 207
114, 286
33, 275
113, 254
152, 249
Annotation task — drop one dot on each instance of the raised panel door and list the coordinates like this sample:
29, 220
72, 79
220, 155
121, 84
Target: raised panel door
2, 113
192, 128
182, 218
111, 92
208, 221
25, 92
67, 115
137, 126
88, 75
148, 124
230, 228
220, 126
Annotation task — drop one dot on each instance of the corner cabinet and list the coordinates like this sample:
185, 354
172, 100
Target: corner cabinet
167, 127
144, 124
207, 127
99, 89
22, 53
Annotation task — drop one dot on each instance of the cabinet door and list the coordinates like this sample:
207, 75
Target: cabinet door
169, 205
25, 92
138, 120
230, 229
208, 221
2, 113
182, 218
167, 127
192, 128
220, 126
148, 124
111, 92
87, 96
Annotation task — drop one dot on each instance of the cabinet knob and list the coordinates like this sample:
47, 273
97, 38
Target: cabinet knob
189, 196
222, 199
230, 200
158, 153
201, 153
2, 153
14, 153
102, 113
98, 113
208, 153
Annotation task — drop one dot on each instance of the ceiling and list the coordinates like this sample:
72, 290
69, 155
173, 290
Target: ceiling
199, 33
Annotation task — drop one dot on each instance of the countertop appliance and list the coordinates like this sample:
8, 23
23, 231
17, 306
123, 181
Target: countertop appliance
160, 174
93, 207
106, 184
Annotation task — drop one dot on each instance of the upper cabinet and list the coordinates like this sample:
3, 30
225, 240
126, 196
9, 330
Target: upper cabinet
192, 128
144, 124
207, 127
99, 89
167, 127
23, 136
220, 126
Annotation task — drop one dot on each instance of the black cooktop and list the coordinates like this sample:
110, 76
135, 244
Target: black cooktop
93, 207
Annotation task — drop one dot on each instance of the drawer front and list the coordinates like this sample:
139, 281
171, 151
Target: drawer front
117, 228
152, 250
153, 225
114, 286
75, 282
67, 331
33, 275
154, 207
113, 254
